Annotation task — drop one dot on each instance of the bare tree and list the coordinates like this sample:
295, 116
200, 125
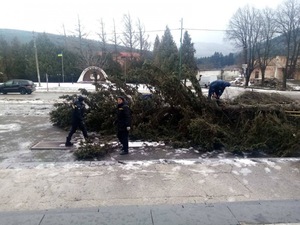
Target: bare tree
65, 36
244, 29
88, 55
115, 41
128, 39
103, 37
266, 42
104, 45
79, 32
142, 38
288, 20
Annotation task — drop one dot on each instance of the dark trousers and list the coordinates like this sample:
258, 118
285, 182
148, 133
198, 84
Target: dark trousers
123, 138
74, 127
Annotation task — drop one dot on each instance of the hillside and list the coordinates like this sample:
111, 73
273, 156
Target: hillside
203, 49
27, 36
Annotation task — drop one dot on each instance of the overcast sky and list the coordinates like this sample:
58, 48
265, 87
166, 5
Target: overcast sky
50, 16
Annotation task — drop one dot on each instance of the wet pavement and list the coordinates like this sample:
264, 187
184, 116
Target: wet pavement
25, 125
152, 185
262, 212
207, 191
24, 122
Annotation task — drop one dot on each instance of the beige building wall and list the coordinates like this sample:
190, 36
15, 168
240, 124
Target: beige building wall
273, 70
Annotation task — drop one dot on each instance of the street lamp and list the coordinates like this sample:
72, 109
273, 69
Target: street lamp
36, 60
180, 50
58, 75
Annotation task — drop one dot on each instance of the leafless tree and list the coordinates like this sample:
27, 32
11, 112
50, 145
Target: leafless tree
64, 34
103, 37
266, 42
244, 29
288, 21
115, 40
104, 45
142, 38
88, 55
128, 39
80, 34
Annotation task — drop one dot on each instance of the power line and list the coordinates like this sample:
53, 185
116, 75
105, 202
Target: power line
178, 29
201, 29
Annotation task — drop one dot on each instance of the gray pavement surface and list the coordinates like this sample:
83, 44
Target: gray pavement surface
152, 185
152, 192
256, 212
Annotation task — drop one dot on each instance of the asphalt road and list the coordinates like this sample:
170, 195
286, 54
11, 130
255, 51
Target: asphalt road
24, 121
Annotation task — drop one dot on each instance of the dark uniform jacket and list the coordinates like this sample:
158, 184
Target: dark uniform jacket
218, 87
123, 117
78, 112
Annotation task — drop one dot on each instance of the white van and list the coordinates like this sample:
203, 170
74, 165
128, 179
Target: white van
205, 80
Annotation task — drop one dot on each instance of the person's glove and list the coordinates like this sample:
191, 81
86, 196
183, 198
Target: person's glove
128, 128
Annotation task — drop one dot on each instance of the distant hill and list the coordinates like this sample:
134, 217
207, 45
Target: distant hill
202, 49
23, 36
27, 36
205, 49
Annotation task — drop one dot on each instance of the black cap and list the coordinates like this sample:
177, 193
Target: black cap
121, 97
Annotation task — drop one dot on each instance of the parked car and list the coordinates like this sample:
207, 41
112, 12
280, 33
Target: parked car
18, 85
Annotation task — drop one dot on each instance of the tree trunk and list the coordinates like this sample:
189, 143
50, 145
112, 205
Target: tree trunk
263, 71
260, 107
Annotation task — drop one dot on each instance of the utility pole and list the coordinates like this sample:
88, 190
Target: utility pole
180, 49
62, 65
36, 60
62, 68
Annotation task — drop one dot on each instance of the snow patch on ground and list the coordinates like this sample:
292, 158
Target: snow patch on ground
4, 128
184, 162
205, 172
21, 101
238, 162
24, 145
267, 170
64, 87
245, 171
135, 165
272, 164
134, 144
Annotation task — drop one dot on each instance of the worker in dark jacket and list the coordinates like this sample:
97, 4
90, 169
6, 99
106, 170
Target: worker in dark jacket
77, 120
123, 123
216, 88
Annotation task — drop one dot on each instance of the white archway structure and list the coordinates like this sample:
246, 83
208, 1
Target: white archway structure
88, 75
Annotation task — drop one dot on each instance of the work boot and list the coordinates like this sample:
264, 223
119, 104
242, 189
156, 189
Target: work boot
68, 143
124, 153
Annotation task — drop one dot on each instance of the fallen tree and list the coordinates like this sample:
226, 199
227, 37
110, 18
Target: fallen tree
182, 116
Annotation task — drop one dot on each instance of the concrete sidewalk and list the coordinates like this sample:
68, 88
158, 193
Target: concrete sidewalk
257, 212
152, 185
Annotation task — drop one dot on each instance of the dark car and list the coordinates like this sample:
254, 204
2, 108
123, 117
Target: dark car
18, 85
